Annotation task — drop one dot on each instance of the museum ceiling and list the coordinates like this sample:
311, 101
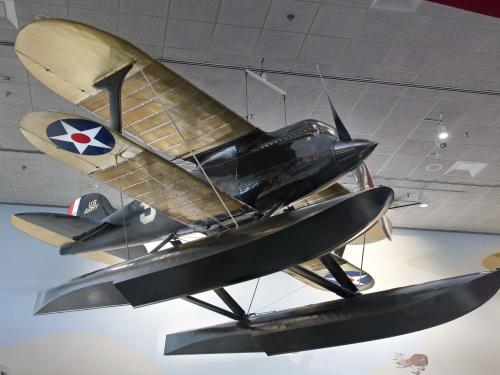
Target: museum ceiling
392, 75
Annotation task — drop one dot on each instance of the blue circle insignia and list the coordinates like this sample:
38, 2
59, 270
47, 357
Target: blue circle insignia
81, 136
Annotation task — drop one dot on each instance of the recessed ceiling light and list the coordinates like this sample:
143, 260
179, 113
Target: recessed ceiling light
436, 167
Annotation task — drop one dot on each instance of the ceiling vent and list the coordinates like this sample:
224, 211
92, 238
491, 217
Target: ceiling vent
465, 169
397, 5
8, 11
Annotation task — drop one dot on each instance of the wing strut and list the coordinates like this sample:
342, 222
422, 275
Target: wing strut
113, 85
338, 273
322, 282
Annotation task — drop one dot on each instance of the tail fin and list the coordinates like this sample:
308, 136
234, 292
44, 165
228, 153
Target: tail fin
92, 206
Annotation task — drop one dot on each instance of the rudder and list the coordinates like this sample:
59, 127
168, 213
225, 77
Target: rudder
93, 206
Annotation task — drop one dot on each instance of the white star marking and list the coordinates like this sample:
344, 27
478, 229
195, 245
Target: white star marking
81, 147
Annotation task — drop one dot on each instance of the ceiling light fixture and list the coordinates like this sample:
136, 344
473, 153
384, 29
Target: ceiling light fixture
442, 131
423, 201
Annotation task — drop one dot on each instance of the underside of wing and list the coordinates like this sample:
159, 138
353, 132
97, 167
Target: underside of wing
361, 279
126, 166
333, 191
71, 58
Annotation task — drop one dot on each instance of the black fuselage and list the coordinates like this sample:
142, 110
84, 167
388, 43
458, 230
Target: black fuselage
265, 169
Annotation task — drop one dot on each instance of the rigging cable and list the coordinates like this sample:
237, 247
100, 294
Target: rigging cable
362, 258
121, 201
253, 295
191, 152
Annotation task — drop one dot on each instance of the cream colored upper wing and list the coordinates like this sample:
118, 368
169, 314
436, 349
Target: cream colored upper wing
139, 173
70, 58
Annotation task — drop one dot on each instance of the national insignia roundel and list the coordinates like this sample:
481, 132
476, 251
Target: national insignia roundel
81, 136
357, 278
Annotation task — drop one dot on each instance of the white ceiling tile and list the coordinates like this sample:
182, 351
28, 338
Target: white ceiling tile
14, 93
61, 197
226, 90
375, 104
7, 51
13, 69
303, 12
30, 195
439, 10
154, 51
449, 63
363, 124
109, 5
11, 137
279, 44
408, 58
302, 97
260, 95
386, 145
243, 12
194, 10
188, 34
471, 37
399, 166
101, 19
343, 101
45, 100
337, 21
293, 115
365, 54
8, 34
6, 194
27, 10
482, 114
323, 49
234, 39
142, 29
396, 127
382, 26
428, 31
452, 111
145, 7
413, 107
414, 147
485, 66
10, 115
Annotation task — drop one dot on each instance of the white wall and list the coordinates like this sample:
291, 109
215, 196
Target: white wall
127, 341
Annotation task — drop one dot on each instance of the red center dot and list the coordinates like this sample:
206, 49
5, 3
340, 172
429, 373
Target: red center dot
80, 138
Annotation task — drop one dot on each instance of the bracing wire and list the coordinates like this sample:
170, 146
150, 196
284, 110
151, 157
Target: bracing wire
282, 297
253, 295
362, 256
121, 201
284, 107
191, 152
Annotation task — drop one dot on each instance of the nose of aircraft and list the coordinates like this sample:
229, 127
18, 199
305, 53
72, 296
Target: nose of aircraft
350, 154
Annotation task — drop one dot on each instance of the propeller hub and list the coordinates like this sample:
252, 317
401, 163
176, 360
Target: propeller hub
350, 154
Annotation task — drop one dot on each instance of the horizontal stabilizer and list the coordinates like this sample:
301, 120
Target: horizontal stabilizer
52, 228
363, 318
